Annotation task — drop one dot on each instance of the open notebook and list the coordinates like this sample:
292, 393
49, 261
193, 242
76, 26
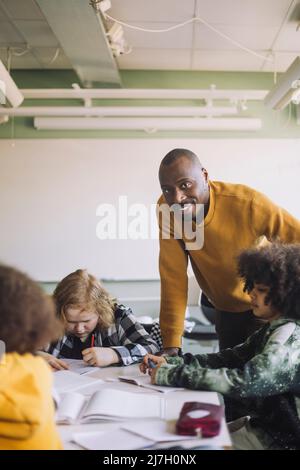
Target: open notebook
144, 381
134, 435
79, 366
108, 404
118, 439
67, 381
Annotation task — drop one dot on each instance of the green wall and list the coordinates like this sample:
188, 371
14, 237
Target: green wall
276, 124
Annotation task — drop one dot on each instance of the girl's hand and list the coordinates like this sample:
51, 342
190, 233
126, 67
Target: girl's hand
100, 357
158, 361
54, 363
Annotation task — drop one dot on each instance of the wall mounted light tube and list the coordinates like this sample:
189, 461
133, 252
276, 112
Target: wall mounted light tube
148, 124
140, 93
121, 111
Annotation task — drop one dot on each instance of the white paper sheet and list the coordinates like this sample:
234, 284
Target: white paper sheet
79, 366
156, 430
118, 439
145, 381
69, 408
122, 404
66, 381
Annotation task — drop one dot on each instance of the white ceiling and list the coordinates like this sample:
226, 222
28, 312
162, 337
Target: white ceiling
260, 25
22, 24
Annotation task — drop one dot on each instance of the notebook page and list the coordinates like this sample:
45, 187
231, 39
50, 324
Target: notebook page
79, 366
66, 381
158, 430
123, 404
113, 440
70, 407
145, 381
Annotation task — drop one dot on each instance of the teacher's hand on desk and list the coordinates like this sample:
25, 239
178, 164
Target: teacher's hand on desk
100, 357
170, 352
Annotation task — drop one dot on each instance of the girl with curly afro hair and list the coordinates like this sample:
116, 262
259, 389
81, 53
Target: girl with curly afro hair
262, 375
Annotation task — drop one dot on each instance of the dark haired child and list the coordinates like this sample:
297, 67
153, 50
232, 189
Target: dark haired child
27, 321
264, 372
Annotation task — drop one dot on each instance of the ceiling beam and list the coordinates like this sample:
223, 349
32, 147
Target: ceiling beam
148, 124
121, 111
143, 93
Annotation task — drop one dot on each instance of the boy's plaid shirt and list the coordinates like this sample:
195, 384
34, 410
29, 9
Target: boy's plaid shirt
126, 336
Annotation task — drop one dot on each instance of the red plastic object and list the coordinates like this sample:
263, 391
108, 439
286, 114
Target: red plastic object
202, 419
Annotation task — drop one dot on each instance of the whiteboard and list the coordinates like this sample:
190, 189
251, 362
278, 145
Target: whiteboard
50, 190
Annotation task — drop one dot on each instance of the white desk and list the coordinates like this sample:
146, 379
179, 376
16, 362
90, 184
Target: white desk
173, 400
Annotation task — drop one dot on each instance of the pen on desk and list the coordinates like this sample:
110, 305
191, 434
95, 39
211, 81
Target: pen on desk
93, 340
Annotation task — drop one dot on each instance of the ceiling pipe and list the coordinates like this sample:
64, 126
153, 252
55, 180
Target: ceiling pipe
140, 93
121, 111
148, 124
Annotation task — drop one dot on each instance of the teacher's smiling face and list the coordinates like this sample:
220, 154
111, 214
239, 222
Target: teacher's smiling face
80, 322
185, 184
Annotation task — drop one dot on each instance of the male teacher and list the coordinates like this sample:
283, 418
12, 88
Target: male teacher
236, 217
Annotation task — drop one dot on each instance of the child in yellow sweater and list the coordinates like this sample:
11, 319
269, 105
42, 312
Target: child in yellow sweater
27, 321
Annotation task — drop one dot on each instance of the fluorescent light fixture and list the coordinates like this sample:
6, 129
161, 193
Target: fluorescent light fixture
10, 95
121, 111
144, 93
148, 124
283, 93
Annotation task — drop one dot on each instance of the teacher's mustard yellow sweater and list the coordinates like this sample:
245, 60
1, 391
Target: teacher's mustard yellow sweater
238, 218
